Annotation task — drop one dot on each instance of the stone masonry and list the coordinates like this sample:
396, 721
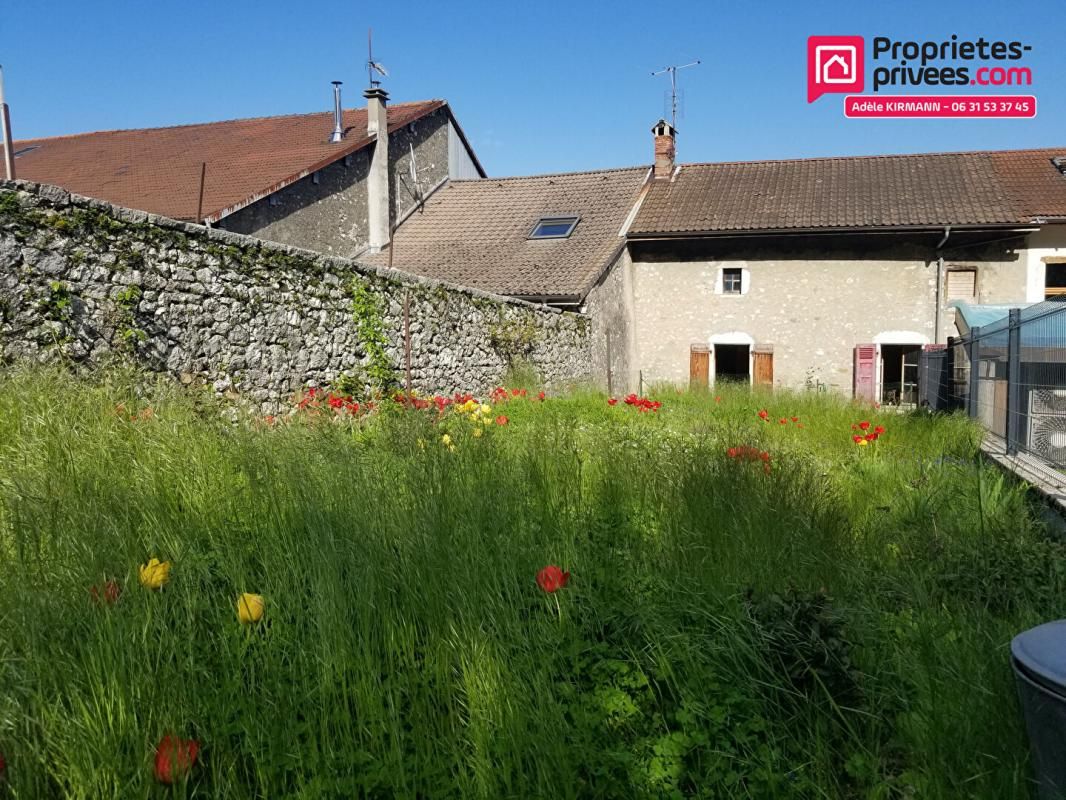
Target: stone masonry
87, 282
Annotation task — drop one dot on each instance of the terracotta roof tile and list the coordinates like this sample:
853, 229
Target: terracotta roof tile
925, 190
158, 169
474, 232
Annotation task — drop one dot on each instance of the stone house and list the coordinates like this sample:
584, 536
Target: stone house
332, 182
831, 273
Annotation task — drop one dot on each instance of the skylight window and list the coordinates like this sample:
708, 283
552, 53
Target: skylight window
553, 227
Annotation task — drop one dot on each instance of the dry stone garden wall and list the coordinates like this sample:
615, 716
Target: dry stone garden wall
89, 283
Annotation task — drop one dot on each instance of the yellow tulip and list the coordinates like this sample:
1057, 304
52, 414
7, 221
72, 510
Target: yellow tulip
485, 409
863, 443
446, 439
477, 432
250, 608
154, 574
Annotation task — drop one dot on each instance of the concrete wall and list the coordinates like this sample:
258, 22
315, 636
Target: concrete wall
813, 304
87, 283
330, 216
610, 306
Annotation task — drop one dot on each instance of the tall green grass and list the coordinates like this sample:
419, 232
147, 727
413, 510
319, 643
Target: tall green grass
836, 628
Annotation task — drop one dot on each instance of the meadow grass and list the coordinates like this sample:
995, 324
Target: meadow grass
836, 627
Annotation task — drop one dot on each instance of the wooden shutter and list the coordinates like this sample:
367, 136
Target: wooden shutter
962, 284
699, 366
762, 359
865, 387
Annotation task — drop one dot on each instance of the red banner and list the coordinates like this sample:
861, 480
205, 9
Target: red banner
959, 106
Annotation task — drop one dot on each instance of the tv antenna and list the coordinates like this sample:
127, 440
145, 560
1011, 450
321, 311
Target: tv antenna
373, 66
672, 70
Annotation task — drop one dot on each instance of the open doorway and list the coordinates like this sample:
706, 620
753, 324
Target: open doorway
899, 374
732, 363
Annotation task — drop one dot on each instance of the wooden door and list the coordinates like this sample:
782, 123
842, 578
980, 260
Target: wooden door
762, 366
699, 366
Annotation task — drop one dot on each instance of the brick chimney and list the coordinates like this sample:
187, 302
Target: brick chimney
665, 148
377, 127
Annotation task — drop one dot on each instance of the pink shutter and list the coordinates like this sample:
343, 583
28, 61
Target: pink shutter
865, 370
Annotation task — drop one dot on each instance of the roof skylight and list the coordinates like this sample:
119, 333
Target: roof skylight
553, 227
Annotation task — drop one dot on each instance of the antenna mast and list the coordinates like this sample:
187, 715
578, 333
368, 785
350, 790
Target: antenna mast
672, 70
371, 65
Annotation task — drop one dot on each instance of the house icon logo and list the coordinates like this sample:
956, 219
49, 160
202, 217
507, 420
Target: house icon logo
834, 64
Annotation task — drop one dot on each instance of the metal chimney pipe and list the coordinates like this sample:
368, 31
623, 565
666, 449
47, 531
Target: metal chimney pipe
338, 126
5, 129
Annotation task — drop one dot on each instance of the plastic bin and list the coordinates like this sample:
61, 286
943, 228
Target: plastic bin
1039, 660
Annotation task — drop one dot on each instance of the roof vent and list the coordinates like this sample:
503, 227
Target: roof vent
338, 126
1060, 163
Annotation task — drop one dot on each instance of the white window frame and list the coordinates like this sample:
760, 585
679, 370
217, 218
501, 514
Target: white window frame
719, 282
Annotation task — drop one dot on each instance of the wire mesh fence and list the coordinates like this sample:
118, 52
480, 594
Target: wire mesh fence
1011, 376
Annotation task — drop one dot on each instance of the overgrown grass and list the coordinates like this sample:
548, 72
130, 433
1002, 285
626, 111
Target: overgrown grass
838, 627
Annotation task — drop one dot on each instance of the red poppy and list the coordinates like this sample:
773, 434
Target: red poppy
871, 437
765, 456
732, 452
540, 396
879, 429
856, 439
502, 420
864, 426
613, 401
782, 421
174, 758
552, 578
107, 594
854, 427
799, 424
763, 414
795, 419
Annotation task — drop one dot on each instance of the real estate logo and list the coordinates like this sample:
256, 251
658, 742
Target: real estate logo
834, 64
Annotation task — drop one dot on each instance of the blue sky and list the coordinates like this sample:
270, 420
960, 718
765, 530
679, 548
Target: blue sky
538, 87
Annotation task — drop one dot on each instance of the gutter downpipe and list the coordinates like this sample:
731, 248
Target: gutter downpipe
939, 281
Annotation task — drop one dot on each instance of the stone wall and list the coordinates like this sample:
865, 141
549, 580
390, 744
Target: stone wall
812, 303
87, 282
610, 306
327, 211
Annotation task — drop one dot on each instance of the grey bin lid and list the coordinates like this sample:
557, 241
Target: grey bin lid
1041, 653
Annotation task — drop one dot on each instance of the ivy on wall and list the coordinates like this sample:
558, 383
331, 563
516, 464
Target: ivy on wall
369, 319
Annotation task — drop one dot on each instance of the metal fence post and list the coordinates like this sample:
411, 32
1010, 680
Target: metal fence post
972, 351
1014, 380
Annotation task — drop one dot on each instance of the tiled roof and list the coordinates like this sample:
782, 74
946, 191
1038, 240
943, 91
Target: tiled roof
474, 232
980, 188
158, 169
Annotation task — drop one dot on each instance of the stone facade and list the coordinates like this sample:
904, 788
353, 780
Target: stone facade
328, 211
84, 281
610, 307
813, 303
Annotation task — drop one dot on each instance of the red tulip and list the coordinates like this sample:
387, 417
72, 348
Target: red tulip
871, 437
864, 426
174, 758
552, 578
763, 414
856, 439
613, 401
783, 421
540, 396
879, 429
795, 419
502, 420
107, 594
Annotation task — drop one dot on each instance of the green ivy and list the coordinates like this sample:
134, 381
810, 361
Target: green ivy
370, 326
